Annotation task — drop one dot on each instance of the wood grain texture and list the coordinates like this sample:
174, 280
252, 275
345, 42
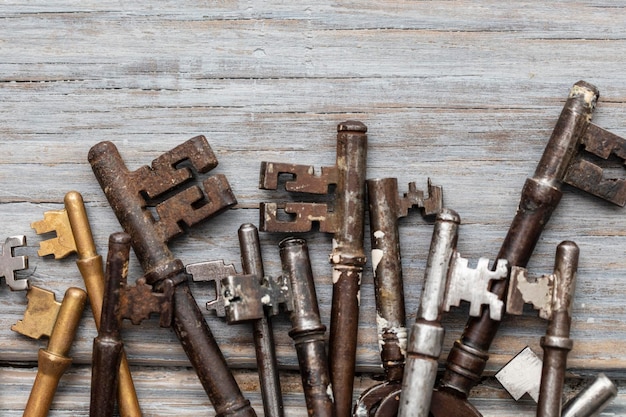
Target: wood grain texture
463, 92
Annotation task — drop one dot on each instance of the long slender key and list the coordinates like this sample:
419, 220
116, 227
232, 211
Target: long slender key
563, 161
448, 281
385, 207
252, 264
553, 296
251, 297
73, 235
131, 194
522, 375
46, 317
107, 347
346, 221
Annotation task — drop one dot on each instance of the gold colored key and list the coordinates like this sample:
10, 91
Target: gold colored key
46, 317
74, 236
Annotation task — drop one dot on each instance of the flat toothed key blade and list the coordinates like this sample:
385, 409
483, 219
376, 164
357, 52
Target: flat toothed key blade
10, 263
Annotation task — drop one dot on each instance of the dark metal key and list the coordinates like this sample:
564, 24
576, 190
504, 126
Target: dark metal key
573, 138
107, 347
130, 194
345, 219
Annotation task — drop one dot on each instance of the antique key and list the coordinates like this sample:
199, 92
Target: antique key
9, 263
252, 264
346, 221
131, 194
73, 235
59, 321
522, 375
562, 161
385, 207
553, 296
250, 297
107, 347
448, 281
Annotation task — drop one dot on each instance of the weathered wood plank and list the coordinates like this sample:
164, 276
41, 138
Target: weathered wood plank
463, 92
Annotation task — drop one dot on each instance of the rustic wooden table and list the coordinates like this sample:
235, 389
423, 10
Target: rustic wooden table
463, 92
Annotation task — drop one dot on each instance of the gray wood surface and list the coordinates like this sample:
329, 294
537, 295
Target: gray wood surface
463, 92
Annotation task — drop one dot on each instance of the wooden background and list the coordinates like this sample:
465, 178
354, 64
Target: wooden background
464, 92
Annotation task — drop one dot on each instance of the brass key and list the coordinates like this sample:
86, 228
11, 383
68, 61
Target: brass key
46, 317
131, 194
346, 221
73, 235
562, 161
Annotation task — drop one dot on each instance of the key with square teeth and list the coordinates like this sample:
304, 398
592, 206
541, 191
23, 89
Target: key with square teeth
10, 263
131, 194
345, 219
385, 208
252, 297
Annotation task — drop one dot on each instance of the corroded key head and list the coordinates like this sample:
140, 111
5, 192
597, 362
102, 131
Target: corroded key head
9, 263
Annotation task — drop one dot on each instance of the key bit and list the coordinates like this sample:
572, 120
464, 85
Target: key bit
53, 361
107, 346
10, 263
522, 375
344, 217
41, 314
132, 195
472, 285
212, 271
563, 160
385, 208
73, 235
138, 302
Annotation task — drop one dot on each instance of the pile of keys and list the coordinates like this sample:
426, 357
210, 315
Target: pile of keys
154, 204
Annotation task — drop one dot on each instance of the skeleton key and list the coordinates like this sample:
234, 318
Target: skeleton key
252, 311
248, 298
130, 195
562, 161
46, 317
448, 280
522, 375
385, 207
108, 346
346, 222
73, 235
553, 296
9, 263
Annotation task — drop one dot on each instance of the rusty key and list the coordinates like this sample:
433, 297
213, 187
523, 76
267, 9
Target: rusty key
385, 207
46, 317
107, 347
573, 138
346, 221
255, 312
131, 194
73, 235
252, 297
553, 296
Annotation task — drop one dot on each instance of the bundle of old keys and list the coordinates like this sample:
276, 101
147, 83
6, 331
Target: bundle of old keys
154, 204
255, 297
